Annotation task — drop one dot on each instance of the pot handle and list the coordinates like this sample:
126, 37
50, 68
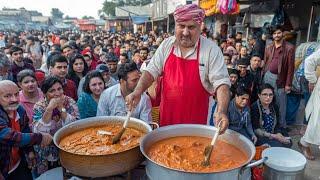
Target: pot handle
254, 164
154, 125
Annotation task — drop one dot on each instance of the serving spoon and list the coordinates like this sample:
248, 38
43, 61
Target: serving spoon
117, 137
209, 148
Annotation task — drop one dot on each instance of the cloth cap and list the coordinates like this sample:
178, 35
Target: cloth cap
102, 68
189, 12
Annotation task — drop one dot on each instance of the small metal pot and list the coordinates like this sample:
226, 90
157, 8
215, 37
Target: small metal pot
157, 171
100, 165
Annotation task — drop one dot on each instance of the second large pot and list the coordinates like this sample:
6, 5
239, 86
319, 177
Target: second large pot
157, 171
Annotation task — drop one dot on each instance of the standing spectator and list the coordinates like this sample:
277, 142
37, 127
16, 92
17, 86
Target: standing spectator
5, 65
108, 80
33, 48
234, 76
67, 51
96, 52
19, 63
239, 37
104, 70
245, 78
45, 47
112, 63
227, 60
279, 69
123, 58
128, 50
89, 60
2, 40
88, 100
51, 114
112, 101
257, 46
137, 58
256, 72
29, 93
77, 69
63, 40
312, 111
58, 68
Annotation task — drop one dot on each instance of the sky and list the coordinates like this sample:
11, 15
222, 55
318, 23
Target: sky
73, 8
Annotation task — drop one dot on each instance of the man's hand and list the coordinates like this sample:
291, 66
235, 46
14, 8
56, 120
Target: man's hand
32, 162
311, 87
46, 139
223, 118
254, 139
54, 103
132, 100
287, 89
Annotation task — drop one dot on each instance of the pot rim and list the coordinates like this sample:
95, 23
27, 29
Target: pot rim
99, 118
207, 127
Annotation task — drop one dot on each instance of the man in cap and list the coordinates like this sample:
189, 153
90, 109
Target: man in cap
104, 70
192, 68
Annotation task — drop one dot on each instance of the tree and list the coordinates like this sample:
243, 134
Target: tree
56, 13
87, 17
109, 8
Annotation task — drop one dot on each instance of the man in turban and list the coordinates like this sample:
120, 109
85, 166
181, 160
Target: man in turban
192, 70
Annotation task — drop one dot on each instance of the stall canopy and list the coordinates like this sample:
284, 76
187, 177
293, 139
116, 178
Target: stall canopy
262, 6
139, 19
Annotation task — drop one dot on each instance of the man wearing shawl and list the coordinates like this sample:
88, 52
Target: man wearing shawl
192, 68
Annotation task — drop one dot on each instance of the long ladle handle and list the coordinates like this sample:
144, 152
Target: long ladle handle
215, 137
125, 124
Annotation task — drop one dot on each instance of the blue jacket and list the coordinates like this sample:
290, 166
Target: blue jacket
239, 121
9, 138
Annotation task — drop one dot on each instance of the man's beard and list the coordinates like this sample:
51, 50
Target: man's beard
12, 107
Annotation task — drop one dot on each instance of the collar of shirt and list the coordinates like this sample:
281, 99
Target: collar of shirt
118, 94
16, 118
23, 97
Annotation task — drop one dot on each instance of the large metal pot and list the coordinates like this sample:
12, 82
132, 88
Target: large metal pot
157, 171
100, 165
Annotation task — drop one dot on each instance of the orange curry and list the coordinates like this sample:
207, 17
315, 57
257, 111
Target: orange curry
187, 152
98, 140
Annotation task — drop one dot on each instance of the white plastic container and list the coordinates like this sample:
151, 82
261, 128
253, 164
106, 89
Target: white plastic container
283, 164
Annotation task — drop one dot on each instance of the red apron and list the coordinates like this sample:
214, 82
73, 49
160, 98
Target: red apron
183, 99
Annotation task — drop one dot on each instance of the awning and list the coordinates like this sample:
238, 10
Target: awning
139, 19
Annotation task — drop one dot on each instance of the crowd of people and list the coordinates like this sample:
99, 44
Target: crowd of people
49, 80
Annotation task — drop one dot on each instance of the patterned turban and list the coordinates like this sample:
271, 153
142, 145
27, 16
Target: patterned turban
189, 12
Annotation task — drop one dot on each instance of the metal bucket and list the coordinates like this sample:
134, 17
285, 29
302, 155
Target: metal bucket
283, 164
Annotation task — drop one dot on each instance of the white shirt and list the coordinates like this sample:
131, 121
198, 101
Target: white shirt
311, 63
112, 103
212, 69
